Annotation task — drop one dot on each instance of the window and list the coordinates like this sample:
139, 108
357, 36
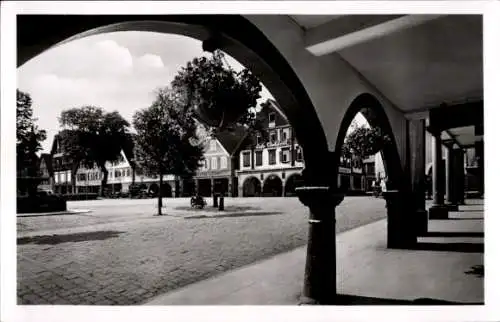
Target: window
284, 135
272, 156
246, 159
205, 164
285, 155
128, 172
272, 117
299, 154
214, 163
273, 137
370, 168
258, 158
223, 162
117, 173
213, 145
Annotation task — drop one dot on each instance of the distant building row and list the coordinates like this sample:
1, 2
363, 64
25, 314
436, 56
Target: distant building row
236, 164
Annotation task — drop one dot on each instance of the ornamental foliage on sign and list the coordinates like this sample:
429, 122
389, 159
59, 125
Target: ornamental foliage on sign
363, 142
218, 95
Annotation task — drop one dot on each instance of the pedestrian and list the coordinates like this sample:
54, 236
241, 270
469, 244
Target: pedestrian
383, 185
428, 186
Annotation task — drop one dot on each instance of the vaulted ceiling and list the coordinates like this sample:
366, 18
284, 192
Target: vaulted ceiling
418, 62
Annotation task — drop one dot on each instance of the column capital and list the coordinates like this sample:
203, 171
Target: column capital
320, 199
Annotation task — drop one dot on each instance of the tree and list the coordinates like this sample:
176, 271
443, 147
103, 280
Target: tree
93, 137
218, 95
166, 140
363, 142
28, 139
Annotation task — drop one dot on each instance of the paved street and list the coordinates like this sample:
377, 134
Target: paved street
121, 254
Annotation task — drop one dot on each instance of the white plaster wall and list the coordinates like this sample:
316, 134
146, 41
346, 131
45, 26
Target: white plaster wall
331, 83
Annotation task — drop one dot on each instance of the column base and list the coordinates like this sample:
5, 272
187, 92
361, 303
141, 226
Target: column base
438, 212
422, 221
401, 232
304, 300
452, 207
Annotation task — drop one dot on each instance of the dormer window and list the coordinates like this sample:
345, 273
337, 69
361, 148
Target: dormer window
272, 119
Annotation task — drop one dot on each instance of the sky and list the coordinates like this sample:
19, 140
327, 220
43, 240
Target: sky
116, 71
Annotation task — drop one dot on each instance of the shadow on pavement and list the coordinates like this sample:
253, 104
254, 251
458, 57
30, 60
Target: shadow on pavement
69, 238
451, 247
477, 270
209, 208
453, 234
461, 218
343, 299
245, 214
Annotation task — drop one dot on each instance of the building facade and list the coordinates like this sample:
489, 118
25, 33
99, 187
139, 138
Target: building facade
217, 173
61, 165
46, 173
270, 167
120, 176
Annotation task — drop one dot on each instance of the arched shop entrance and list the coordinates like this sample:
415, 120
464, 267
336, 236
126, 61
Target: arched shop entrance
273, 186
251, 187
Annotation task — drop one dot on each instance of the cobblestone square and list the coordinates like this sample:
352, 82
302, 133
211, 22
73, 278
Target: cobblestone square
120, 254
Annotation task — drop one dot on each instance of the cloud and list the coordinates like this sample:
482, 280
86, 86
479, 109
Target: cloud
150, 61
86, 57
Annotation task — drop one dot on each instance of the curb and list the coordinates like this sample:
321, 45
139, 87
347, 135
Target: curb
58, 213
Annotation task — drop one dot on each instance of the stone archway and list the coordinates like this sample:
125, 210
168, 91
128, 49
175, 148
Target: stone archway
273, 186
248, 41
371, 108
251, 187
292, 182
402, 221
236, 35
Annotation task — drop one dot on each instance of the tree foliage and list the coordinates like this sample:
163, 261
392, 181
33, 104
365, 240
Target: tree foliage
28, 136
363, 142
218, 95
93, 137
166, 140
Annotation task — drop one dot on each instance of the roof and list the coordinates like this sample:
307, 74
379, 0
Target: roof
48, 162
231, 138
271, 106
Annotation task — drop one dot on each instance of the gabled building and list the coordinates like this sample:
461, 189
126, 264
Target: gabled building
270, 167
46, 172
61, 165
217, 173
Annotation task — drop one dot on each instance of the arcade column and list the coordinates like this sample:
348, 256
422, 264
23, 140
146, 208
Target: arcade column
438, 210
451, 191
240, 190
320, 280
460, 176
320, 194
480, 155
416, 134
